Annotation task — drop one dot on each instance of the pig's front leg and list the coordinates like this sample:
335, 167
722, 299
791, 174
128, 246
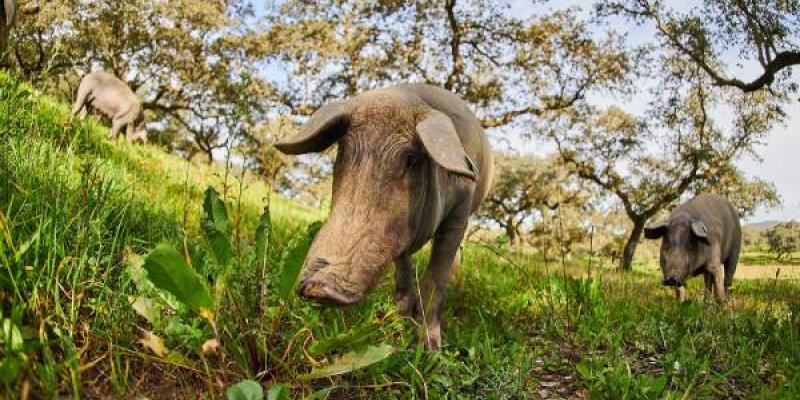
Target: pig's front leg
405, 293
680, 294
443, 258
708, 279
717, 272
718, 275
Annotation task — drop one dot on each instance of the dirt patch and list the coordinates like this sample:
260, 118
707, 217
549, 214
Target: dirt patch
768, 271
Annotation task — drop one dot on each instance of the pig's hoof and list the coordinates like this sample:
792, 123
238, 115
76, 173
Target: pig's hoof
432, 339
406, 305
433, 343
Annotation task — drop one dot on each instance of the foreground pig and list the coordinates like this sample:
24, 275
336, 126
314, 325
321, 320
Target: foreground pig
413, 163
702, 236
113, 98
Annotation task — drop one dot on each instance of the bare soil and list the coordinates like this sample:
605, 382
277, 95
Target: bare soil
768, 271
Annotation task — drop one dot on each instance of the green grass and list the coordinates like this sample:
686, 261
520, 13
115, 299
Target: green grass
759, 257
78, 213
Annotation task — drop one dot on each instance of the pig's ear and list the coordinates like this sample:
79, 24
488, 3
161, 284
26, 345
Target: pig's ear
699, 229
322, 130
656, 230
439, 137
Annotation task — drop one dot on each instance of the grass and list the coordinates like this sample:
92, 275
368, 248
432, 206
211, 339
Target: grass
760, 257
78, 213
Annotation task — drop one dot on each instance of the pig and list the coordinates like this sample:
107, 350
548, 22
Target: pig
114, 99
412, 164
702, 236
9, 17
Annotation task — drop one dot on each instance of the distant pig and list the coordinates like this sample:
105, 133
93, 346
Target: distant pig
702, 236
113, 98
412, 165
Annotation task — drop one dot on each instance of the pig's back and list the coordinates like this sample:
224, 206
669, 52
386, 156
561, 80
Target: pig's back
111, 90
720, 218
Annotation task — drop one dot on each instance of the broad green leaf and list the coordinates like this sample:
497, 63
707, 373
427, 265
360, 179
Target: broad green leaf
214, 210
215, 226
168, 271
134, 266
352, 361
278, 391
196, 254
148, 309
294, 259
263, 234
245, 390
11, 337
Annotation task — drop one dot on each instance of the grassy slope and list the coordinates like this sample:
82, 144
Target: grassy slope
76, 209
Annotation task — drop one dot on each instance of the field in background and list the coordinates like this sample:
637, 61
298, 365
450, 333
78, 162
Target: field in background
77, 215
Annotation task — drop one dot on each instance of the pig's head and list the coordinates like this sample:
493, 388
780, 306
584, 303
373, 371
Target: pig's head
388, 147
683, 247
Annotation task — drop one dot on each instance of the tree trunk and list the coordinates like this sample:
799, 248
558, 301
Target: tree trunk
626, 261
511, 232
210, 157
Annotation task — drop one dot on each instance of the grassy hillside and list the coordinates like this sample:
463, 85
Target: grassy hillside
81, 318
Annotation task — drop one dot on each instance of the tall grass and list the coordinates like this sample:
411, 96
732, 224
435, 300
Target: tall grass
80, 317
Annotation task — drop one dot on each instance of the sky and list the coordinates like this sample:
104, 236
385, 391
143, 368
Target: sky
777, 164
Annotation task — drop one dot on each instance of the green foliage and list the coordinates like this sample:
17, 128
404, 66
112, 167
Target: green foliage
92, 324
263, 237
245, 390
167, 269
294, 258
278, 391
193, 68
351, 361
215, 226
528, 192
783, 239
763, 32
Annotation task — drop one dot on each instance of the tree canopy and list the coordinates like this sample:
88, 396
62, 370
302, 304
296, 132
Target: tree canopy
191, 61
223, 76
763, 32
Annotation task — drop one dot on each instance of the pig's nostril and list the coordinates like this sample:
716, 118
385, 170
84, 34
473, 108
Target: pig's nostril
671, 281
322, 293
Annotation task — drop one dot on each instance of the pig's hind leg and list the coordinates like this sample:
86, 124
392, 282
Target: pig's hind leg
116, 127
730, 269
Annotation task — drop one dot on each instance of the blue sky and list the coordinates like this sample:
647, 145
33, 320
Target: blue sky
778, 164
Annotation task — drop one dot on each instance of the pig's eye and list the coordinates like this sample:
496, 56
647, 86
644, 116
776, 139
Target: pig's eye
413, 158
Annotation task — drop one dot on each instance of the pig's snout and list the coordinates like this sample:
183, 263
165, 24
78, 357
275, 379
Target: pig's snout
314, 287
672, 281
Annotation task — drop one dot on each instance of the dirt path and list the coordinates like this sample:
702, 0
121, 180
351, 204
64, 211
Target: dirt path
768, 271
